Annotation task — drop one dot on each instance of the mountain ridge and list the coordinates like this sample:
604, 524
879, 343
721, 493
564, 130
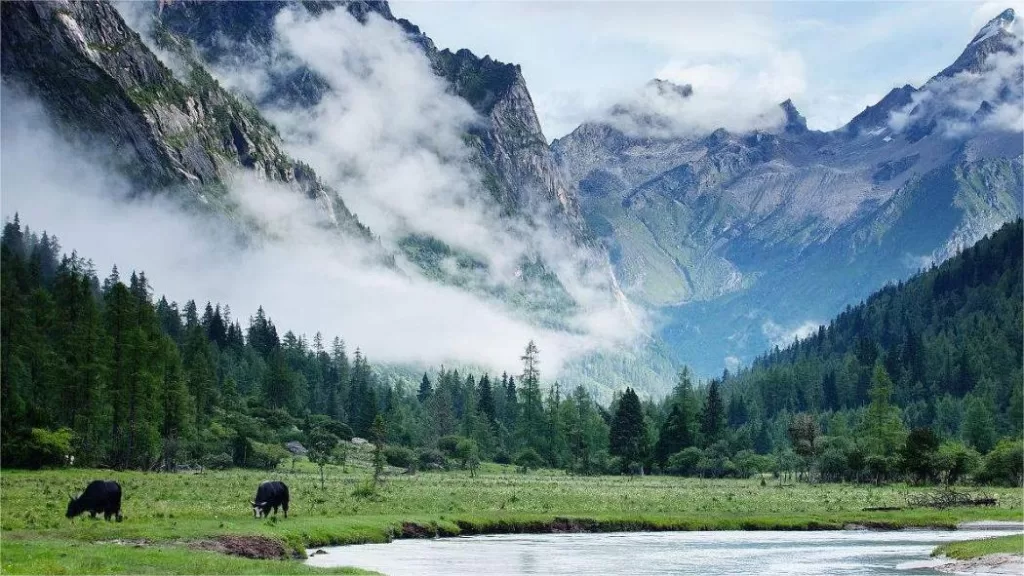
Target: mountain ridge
720, 230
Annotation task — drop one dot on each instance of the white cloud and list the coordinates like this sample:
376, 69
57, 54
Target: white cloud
782, 336
389, 138
735, 96
952, 102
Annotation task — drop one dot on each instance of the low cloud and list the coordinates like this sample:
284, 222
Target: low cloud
389, 137
733, 95
784, 336
962, 104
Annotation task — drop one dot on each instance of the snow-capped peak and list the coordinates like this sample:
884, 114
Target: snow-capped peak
1002, 23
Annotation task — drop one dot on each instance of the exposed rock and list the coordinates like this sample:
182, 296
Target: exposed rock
95, 73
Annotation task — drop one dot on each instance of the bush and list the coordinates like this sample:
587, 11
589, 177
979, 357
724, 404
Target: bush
684, 462
1004, 465
833, 465
467, 450
528, 459
221, 461
449, 444
45, 447
502, 457
429, 458
400, 457
954, 462
338, 429
249, 454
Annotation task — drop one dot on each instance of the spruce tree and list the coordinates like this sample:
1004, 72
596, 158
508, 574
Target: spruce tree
627, 437
425, 389
712, 419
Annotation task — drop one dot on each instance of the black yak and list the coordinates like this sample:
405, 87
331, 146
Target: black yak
270, 495
99, 496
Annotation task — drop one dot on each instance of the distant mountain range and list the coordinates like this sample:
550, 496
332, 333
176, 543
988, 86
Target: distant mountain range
733, 241
745, 240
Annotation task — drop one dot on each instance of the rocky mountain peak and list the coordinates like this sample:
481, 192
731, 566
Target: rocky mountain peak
1001, 34
795, 121
1001, 24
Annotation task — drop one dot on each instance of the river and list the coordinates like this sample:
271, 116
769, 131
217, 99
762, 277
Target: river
846, 552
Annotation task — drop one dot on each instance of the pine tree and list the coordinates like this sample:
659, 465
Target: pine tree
531, 422
979, 426
425, 389
712, 419
485, 400
885, 429
628, 435
675, 434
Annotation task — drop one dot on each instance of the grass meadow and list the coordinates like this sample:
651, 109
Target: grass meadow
179, 523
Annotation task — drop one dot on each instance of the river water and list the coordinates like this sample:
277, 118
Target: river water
845, 552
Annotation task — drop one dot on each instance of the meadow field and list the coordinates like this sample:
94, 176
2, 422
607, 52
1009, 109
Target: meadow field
185, 522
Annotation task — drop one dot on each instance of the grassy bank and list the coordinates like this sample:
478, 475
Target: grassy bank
969, 549
165, 514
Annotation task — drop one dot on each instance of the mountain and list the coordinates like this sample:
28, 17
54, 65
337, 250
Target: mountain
511, 150
144, 78
96, 75
945, 333
743, 240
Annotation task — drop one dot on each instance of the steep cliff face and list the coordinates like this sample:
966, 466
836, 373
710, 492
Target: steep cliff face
95, 73
512, 143
515, 162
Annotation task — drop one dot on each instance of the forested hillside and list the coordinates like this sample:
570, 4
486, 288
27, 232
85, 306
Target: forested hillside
930, 367
97, 373
101, 371
948, 337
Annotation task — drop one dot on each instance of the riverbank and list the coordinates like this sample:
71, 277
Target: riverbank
1000, 555
175, 523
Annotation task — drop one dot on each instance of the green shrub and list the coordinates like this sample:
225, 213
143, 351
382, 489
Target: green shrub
1003, 465
684, 462
429, 458
45, 448
954, 462
527, 459
449, 444
400, 457
221, 461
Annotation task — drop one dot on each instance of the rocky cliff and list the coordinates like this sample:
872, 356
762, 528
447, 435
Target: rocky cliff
95, 73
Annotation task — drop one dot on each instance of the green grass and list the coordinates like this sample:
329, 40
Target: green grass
62, 557
969, 549
167, 511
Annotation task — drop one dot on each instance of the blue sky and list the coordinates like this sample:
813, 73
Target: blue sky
831, 58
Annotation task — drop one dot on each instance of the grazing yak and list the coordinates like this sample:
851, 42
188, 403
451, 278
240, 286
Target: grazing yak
99, 496
270, 495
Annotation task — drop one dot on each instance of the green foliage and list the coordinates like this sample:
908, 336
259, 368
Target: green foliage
47, 448
400, 457
968, 549
954, 462
919, 455
429, 458
320, 450
221, 461
1004, 465
628, 438
527, 459
684, 462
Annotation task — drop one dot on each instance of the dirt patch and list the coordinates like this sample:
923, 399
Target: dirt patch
139, 543
258, 547
414, 530
990, 564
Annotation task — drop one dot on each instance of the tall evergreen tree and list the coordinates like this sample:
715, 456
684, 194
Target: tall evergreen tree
712, 418
628, 435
